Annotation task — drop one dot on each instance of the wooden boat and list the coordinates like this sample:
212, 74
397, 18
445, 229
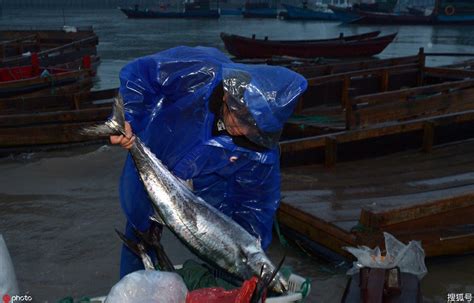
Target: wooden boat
411, 195
313, 69
48, 121
49, 37
364, 45
198, 9
62, 54
53, 47
373, 112
333, 88
391, 18
304, 13
33, 79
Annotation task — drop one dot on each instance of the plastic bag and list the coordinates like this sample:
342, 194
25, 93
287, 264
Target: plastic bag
220, 295
409, 258
8, 284
149, 286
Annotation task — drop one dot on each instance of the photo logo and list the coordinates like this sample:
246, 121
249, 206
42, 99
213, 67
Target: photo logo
11, 299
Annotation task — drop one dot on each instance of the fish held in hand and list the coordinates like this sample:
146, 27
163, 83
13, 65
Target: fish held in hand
205, 230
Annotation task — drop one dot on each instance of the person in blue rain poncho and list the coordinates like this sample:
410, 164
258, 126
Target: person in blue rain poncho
211, 121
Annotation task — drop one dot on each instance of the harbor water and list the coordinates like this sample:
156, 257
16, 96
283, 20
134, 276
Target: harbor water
59, 209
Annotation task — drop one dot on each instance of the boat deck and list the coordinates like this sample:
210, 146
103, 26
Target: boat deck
327, 206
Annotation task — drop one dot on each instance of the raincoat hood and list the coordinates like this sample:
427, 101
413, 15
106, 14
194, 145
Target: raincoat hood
263, 96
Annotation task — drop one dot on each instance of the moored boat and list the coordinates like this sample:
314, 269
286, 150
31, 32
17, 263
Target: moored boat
305, 13
259, 10
364, 45
198, 9
53, 56
48, 37
344, 14
391, 18
444, 12
381, 111
29, 123
33, 79
454, 12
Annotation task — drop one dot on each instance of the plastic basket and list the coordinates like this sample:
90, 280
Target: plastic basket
298, 286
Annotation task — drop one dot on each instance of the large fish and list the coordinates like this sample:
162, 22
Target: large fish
205, 230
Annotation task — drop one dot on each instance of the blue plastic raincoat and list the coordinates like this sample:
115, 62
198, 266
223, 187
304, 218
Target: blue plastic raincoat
166, 98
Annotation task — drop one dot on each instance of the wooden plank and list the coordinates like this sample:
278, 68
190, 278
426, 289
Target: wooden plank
428, 136
320, 70
90, 114
448, 73
455, 217
400, 95
315, 229
82, 85
422, 63
434, 105
360, 73
330, 152
346, 83
373, 131
384, 81
48, 134
377, 219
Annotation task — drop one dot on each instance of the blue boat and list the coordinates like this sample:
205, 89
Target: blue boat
231, 11
198, 9
259, 10
305, 13
454, 12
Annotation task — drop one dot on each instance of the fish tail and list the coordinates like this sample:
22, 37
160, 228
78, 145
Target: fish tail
114, 126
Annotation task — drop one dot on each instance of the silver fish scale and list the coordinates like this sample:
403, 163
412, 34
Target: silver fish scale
202, 227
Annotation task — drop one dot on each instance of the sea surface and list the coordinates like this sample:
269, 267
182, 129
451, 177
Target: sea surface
58, 210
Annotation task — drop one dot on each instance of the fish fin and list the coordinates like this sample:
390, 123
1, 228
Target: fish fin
157, 218
129, 243
114, 126
138, 249
152, 239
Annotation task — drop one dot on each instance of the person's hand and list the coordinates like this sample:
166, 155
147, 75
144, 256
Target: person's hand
125, 141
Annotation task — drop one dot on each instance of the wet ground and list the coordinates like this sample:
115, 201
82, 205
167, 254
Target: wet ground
58, 215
